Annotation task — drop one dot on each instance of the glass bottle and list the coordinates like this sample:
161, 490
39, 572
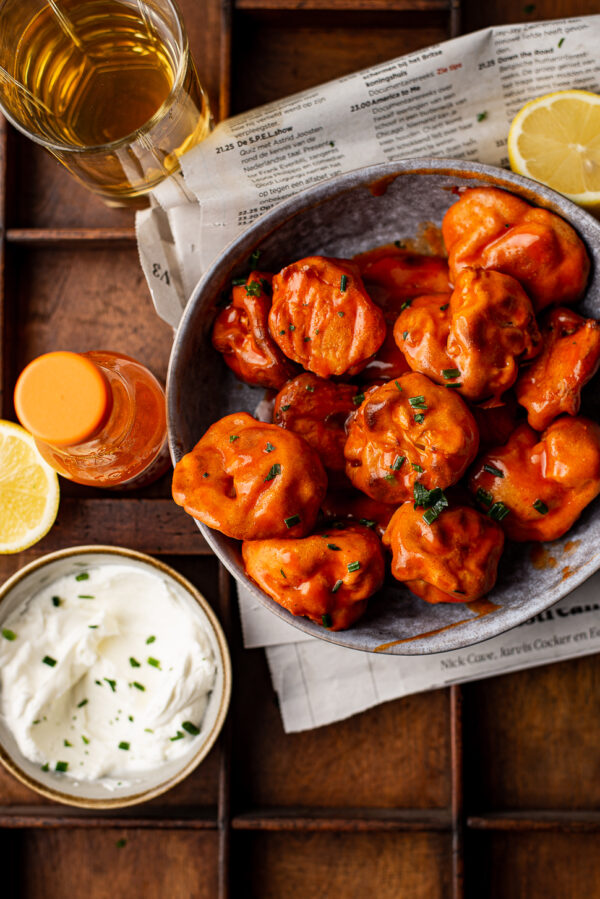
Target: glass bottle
98, 418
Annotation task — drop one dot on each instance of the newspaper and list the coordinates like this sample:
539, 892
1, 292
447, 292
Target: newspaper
455, 99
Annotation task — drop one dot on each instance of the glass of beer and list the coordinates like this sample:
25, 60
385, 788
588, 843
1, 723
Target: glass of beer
107, 86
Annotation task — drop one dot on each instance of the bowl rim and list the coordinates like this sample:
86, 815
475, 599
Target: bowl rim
223, 661
241, 246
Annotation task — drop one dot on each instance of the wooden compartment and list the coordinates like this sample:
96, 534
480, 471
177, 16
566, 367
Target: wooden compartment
374, 804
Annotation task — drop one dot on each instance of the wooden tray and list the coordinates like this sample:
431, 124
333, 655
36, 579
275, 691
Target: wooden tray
489, 790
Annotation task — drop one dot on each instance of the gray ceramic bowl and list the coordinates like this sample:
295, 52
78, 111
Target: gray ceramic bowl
341, 217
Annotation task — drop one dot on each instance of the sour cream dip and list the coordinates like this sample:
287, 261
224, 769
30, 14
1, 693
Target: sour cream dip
105, 674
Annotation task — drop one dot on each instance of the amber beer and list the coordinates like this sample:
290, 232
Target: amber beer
108, 86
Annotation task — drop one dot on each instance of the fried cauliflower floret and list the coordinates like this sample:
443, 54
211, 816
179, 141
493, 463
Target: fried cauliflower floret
421, 332
317, 410
570, 358
251, 480
323, 318
241, 334
410, 429
453, 559
394, 277
492, 229
328, 577
538, 485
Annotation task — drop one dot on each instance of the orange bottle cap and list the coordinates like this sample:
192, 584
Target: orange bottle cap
62, 398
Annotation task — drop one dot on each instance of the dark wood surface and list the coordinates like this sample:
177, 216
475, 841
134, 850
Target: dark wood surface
492, 789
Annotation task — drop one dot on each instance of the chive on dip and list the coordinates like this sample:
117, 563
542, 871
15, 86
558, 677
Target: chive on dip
105, 675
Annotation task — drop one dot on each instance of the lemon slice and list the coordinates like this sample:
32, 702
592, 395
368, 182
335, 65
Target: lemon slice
29, 490
556, 140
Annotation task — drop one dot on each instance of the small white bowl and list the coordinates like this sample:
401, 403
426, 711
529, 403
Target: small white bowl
85, 794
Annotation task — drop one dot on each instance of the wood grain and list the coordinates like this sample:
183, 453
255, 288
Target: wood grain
152, 865
315, 866
407, 764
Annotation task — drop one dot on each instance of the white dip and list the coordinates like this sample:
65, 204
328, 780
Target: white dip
105, 674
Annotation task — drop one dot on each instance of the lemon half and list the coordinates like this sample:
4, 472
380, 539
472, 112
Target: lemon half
29, 491
556, 140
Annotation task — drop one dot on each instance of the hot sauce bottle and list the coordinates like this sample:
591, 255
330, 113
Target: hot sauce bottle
98, 418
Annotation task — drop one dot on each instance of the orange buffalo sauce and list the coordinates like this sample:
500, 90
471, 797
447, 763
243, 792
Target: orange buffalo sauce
98, 418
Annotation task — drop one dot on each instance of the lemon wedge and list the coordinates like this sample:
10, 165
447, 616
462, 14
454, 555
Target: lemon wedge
29, 491
555, 139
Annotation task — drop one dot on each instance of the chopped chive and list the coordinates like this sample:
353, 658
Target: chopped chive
150, 640
310, 388
62, 766
341, 314
561, 42
81, 704
46, 767
137, 685
8, 634
48, 660
130, 717
485, 498
420, 418
134, 662
121, 843
56, 601
444, 307
273, 472
85, 596
292, 521
417, 402
269, 447
191, 728
283, 574
306, 340
282, 331
498, 511
404, 335
238, 282
358, 399
286, 407
148, 730
400, 244
450, 373
179, 736
85, 740
292, 328
405, 305
100, 684
124, 745
111, 683
417, 467
326, 619
253, 289
38, 721
343, 283
540, 506
336, 586
334, 547
491, 469
206, 475
154, 662
366, 523
454, 384
233, 437
398, 385
82, 576
353, 566
66, 743
430, 515
93, 627
398, 463
481, 116
253, 260
390, 478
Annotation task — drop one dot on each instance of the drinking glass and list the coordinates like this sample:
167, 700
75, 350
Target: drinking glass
107, 86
